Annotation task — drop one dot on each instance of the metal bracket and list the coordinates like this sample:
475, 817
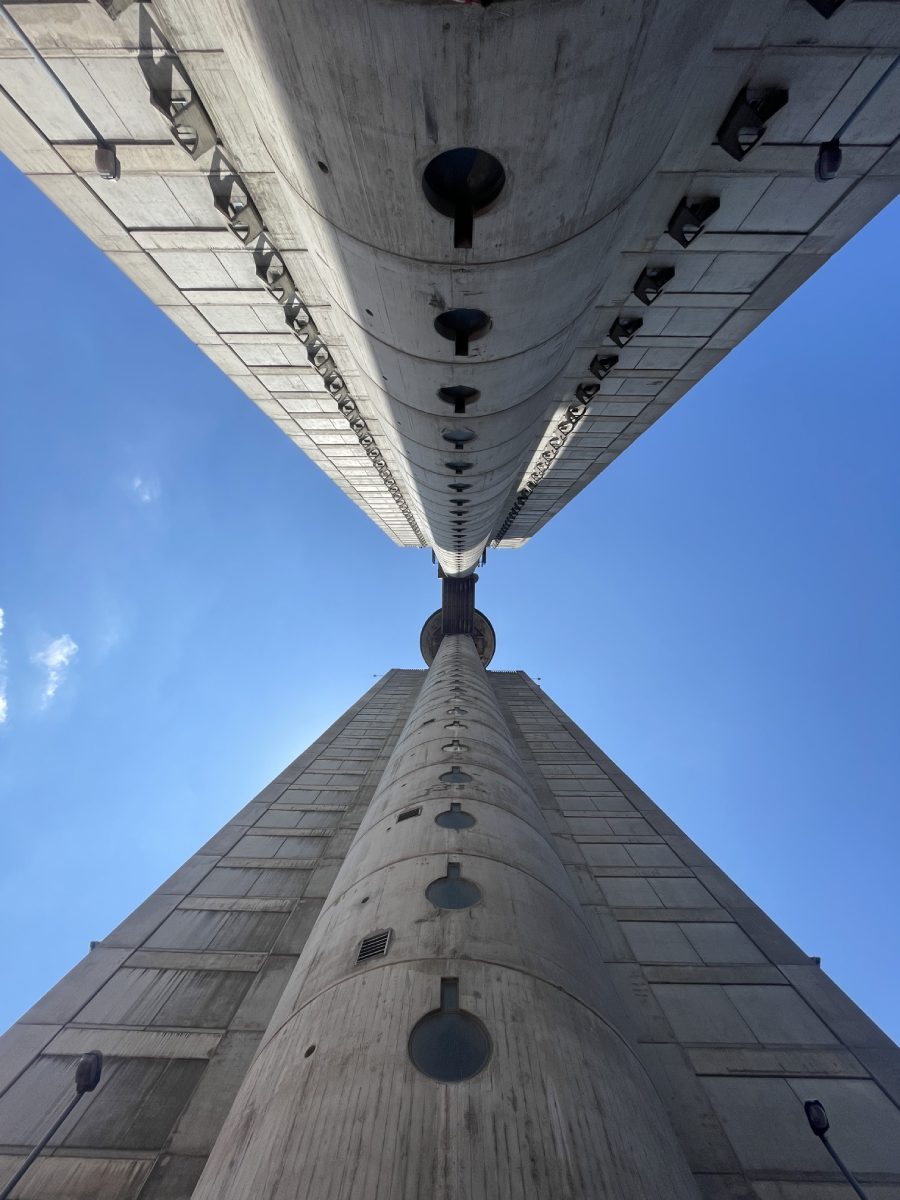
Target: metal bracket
689, 218
746, 121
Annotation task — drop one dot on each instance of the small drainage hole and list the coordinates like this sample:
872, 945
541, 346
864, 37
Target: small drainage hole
309, 1051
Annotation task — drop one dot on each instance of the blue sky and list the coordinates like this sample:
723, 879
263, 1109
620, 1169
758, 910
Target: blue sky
188, 602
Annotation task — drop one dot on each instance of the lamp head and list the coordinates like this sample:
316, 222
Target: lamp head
817, 1117
87, 1073
828, 160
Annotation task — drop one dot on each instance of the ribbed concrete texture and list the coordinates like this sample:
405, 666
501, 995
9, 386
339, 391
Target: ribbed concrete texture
558, 1105
591, 934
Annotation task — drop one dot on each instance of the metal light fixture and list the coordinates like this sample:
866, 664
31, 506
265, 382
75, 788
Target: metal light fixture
746, 121
106, 162
828, 160
826, 8
819, 1124
623, 329
87, 1076
689, 218
650, 283
601, 365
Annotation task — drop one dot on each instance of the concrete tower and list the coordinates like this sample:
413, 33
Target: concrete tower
451, 950
463, 255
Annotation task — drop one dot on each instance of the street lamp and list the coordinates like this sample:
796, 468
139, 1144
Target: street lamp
87, 1076
818, 1123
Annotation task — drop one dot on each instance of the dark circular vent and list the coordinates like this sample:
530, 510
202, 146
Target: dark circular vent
452, 890
449, 1044
462, 326
454, 817
462, 183
455, 776
459, 396
458, 435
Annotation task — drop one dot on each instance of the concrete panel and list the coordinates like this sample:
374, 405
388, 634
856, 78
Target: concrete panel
296, 929
630, 893
74, 990
133, 1043
142, 922
19, 1046
657, 942
199, 1124
836, 1009
186, 878
173, 1177
699, 1130
205, 930
683, 893
781, 1190
195, 999
653, 856
133, 1108
778, 1015
765, 1121
721, 942
66, 1177
759, 1060
702, 1013
258, 1005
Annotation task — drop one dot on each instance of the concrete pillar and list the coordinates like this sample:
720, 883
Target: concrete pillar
451, 937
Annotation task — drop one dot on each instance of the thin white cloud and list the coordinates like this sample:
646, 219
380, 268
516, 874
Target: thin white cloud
110, 638
4, 705
55, 659
146, 490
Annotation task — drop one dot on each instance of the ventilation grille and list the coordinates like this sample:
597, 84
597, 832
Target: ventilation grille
410, 812
374, 945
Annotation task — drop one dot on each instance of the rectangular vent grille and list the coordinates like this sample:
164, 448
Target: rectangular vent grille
374, 945
410, 812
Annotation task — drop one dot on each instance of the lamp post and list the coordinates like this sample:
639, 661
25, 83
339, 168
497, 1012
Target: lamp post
87, 1076
818, 1123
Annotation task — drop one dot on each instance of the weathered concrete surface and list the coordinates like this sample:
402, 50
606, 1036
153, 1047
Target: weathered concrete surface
333, 1104
735, 1024
178, 995
603, 116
